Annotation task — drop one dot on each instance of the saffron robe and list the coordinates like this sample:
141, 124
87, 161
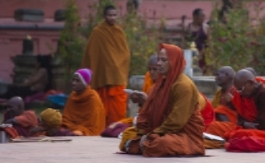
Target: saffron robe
84, 112
108, 56
182, 126
25, 122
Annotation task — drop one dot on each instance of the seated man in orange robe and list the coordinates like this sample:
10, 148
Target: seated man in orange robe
221, 102
249, 102
169, 123
84, 112
226, 116
108, 56
23, 121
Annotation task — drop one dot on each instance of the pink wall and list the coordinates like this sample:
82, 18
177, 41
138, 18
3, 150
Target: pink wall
11, 40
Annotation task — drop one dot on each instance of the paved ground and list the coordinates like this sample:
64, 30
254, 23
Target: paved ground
103, 150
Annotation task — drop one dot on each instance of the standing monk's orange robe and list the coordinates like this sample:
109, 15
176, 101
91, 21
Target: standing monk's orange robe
170, 123
85, 113
107, 55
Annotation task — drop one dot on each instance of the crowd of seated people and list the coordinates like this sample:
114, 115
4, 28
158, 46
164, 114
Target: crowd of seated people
173, 116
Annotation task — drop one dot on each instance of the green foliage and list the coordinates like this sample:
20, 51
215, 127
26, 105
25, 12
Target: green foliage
142, 41
237, 42
71, 43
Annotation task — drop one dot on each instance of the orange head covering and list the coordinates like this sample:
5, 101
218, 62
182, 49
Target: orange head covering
157, 103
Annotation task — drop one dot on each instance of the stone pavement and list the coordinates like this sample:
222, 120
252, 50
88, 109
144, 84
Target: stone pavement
103, 150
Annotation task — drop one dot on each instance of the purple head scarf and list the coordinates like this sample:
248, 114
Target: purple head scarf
85, 75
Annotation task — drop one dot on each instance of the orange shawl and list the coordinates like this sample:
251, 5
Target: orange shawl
148, 83
157, 103
246, 107
27, 119
84, 113
107, 55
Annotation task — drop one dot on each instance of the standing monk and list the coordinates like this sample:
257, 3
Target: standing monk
170, 123
107, 55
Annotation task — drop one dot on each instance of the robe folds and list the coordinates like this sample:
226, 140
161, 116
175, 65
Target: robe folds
84, 112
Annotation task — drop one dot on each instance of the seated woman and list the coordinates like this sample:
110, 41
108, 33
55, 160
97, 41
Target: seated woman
37, 82
84, 112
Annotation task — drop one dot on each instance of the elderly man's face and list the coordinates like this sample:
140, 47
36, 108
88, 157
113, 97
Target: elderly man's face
221, 77
162, 62
245, 88
77, 84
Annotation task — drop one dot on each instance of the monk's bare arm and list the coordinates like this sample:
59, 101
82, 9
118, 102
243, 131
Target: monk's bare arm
184, 98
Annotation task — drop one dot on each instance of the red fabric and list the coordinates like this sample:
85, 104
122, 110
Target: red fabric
260, 79
159, 104
239, 133
12, 132
207, 113
245, 140
246, 144
223, 101
246, 107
